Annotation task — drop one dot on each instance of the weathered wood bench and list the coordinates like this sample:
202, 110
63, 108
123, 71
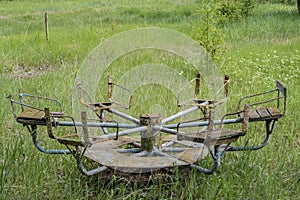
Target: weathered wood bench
34, 117
251, 113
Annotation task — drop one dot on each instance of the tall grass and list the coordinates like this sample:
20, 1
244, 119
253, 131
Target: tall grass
261, 48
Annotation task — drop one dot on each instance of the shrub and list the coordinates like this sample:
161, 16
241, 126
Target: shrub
207, 32
234, 9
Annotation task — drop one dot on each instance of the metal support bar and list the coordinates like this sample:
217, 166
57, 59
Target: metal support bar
124, 116
165, 130
33, 133
197, 86
86, 172
97, 124
180, 114
102, 116
87, 142
226, 85
12, 102
125, 132
217, 158
203, 123
132, 150
21, 95
49, 123
269, 128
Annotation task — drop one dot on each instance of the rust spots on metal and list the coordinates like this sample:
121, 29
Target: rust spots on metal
150, 137
226, 85
197, 86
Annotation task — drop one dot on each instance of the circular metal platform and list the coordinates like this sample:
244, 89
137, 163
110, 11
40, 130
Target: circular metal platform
122, 156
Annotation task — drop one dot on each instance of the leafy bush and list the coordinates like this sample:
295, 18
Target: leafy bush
207, 31
234, 9
211, 16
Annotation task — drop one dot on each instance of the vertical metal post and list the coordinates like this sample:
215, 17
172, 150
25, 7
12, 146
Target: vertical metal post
150, 138
246, 118
110, 90
210, 128
49, 123
197, 86
87, 142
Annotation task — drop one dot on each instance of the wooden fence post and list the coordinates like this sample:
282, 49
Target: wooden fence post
46, 25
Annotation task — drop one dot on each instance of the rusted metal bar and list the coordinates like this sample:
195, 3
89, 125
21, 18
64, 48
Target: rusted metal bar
82, 101
87, 142
49, 123
210, 128
113, 101
226, 85
197, 86
110, 89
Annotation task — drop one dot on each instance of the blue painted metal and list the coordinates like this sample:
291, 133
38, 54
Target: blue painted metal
33, 133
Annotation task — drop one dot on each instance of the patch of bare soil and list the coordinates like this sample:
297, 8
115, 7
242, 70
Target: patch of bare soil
4, 17
25, 72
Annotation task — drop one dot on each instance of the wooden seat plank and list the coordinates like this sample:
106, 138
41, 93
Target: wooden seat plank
32, 114
274, 112
32, 117
35, 117
74, 141
253, 115
263, 113
218, 136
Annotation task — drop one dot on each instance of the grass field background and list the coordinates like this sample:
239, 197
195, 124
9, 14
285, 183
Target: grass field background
260, 49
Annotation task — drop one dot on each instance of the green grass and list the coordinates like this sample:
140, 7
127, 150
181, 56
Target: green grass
261, 48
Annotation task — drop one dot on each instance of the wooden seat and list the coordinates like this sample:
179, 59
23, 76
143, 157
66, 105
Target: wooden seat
33, 116
217, 136
263, 114
70, 139
73, 140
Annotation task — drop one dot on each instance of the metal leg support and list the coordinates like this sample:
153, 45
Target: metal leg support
217, 155
33, 132
269, 129
83, 170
